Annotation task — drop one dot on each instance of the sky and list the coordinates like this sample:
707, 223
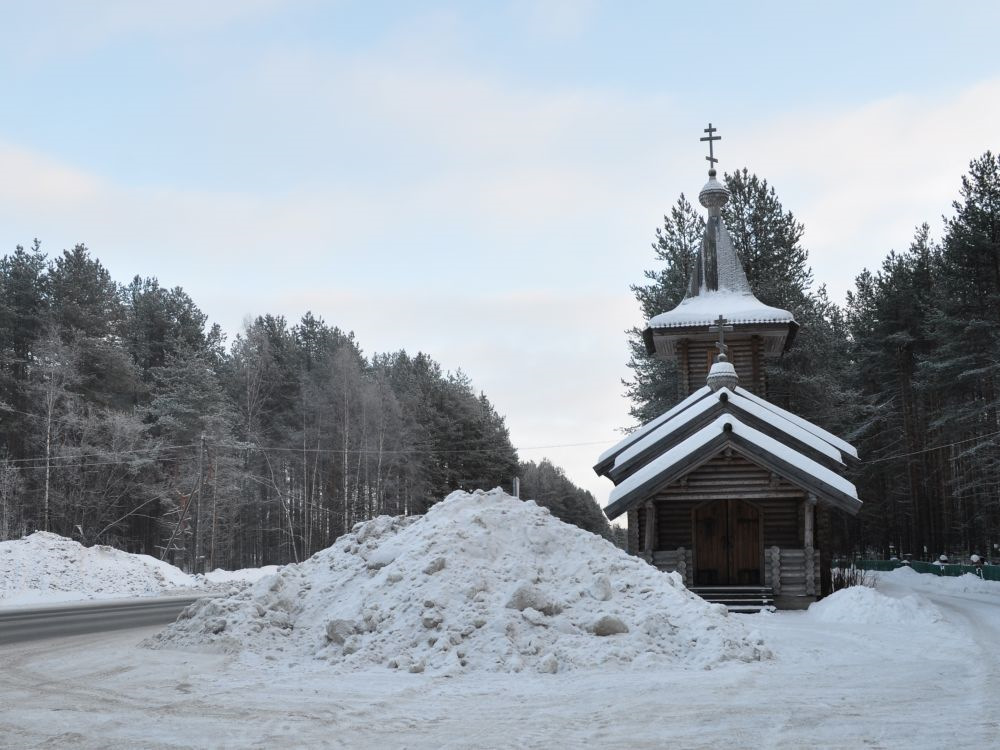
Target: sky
478, 181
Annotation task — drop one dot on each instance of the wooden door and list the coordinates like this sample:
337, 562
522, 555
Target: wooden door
745, 551
710, 543
727, 544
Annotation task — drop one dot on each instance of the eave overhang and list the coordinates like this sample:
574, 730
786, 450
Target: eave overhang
728, 432
720, 404
661, 341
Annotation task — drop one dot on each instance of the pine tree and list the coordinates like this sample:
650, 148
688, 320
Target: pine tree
655, 385
24, 314
547, 485
158, 323
84, 297
961, 375
887, 316
767, 239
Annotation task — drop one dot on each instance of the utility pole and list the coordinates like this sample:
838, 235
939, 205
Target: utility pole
197, 508
215, 500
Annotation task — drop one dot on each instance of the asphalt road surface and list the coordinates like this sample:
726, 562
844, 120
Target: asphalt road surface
56, 621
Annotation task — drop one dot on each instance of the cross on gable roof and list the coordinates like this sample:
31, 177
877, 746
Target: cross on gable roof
721, 326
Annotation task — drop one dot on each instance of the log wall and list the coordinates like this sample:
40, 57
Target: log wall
730, 477
745, 352
679, 560
792, 572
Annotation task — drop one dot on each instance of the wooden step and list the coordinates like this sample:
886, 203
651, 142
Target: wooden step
740, 599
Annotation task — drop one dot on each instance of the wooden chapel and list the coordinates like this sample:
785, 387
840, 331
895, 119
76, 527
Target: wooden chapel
727, 489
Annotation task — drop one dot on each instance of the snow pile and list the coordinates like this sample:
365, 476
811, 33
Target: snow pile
46, 567
483, 581
863, 605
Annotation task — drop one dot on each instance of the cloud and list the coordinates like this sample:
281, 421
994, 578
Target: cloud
35, 181
861, 180
64, 28
557, 18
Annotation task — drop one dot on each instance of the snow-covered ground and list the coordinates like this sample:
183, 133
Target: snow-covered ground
891, 684
913, 664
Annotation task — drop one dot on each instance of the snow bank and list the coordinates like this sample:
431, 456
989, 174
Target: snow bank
45, 567
963, 584
863, 605
243, 575
483, 581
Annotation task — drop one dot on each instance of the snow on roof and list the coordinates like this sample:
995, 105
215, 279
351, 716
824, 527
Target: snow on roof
666, 461
805, 424
791, 456
653, 424
786, 425
778, 421
690, 446
705, 308
666, 428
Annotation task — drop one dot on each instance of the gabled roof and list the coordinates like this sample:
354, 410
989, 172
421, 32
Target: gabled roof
839, 443
710, 407
761, 449
703, 405
606, 459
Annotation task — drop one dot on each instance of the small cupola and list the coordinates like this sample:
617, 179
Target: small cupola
722, 375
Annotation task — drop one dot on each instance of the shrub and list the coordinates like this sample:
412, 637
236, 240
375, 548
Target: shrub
843, 577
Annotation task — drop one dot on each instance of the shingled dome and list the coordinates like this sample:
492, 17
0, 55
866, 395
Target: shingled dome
718, 286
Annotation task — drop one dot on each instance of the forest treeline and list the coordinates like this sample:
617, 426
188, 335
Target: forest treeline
125, 419
908, 369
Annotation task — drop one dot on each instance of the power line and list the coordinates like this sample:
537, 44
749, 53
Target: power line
401, 451
38, 462
94, 463
12, 410
978, 439
89, 454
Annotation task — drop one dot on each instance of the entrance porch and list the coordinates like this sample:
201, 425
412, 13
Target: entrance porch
767, 544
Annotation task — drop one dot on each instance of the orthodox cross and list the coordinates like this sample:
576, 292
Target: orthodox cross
711, 138
721, 326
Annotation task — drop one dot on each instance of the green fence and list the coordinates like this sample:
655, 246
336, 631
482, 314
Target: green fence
988, 572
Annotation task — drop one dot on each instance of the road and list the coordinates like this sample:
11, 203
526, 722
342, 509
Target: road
53, 621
